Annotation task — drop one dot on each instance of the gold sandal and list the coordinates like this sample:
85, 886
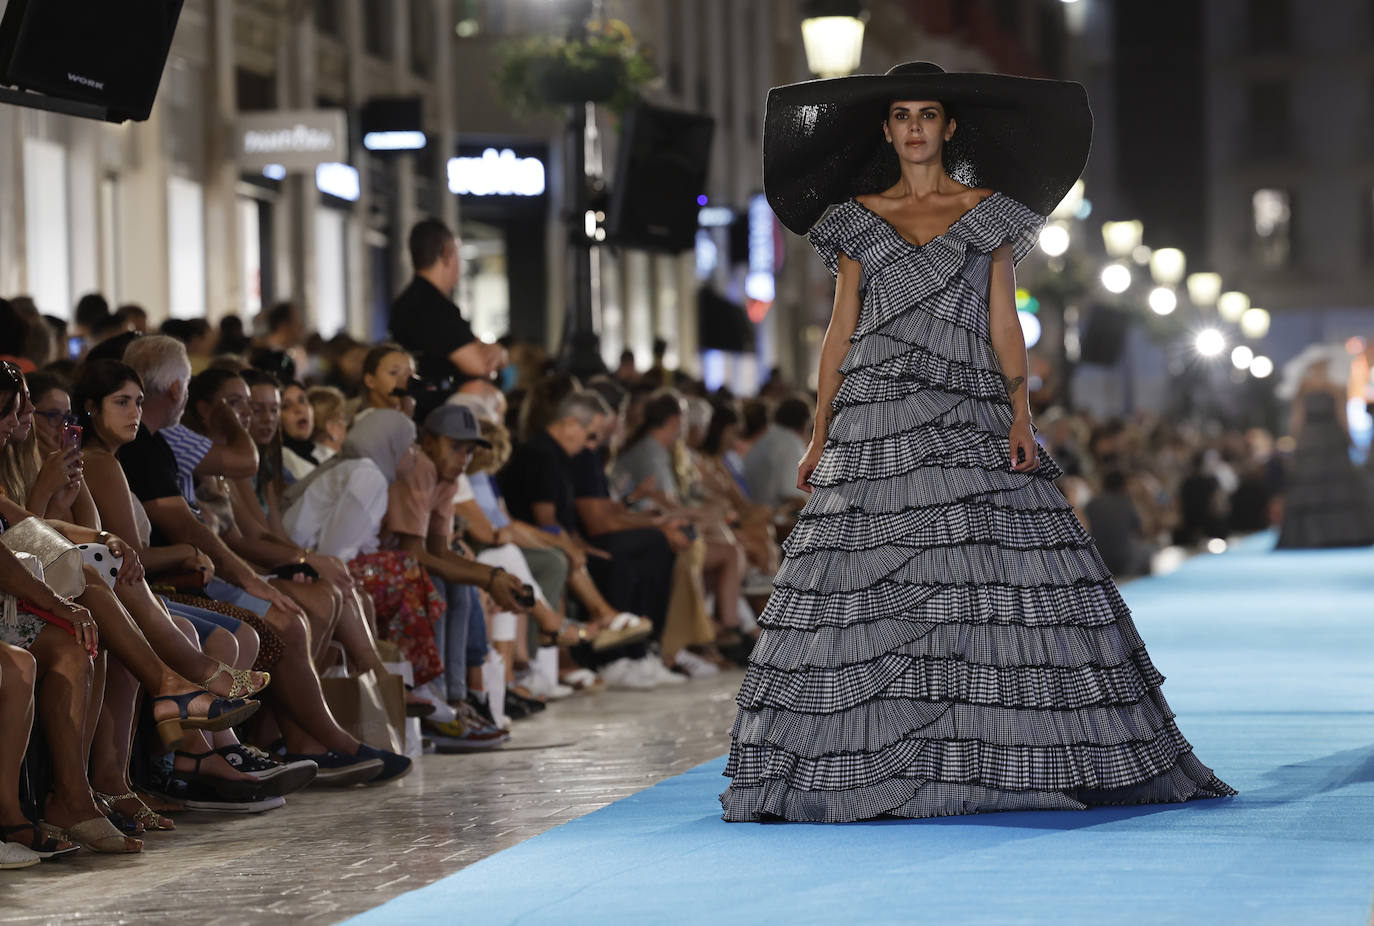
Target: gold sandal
151, 820
243, 681
94, 835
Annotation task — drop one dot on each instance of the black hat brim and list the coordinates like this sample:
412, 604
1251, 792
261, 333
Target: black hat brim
1027, 138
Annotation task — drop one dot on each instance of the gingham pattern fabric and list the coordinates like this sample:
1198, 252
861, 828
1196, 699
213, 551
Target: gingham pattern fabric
943, 637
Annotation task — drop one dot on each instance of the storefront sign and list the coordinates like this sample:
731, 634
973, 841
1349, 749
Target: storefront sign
297, 140
496, 173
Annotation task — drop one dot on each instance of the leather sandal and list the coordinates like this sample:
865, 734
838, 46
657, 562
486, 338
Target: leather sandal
151, 820
224, 713
95, 835
43, 846
624, 629
246, 682
560, 636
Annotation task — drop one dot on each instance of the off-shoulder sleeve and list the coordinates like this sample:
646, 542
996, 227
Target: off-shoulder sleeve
834, 234
1000, 220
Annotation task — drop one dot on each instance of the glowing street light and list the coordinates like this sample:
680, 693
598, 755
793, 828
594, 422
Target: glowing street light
1204, 288
1054, 240
1261, 366
1254, 323
1121, 238
1241, 357
1209, 342
1231, 306
1116, 278
1167, 265
1162, 300
833, 33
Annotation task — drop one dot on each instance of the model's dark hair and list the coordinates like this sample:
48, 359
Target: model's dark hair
428, 239
99, 378
723, 415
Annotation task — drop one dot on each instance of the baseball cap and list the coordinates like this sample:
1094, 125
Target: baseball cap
456, 422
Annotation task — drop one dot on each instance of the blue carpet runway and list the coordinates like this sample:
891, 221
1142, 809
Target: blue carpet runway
1268, 659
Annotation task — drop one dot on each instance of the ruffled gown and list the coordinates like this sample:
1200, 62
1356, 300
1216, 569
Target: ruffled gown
1326, 502
944, 637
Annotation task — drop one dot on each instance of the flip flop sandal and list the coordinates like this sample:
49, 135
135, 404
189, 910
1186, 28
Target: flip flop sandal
151, 820
43, 846
95, 835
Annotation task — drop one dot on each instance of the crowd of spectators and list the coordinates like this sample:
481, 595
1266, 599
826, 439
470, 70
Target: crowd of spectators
257, 510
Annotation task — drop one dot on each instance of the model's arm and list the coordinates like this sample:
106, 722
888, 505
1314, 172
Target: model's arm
844, 318
1010, 346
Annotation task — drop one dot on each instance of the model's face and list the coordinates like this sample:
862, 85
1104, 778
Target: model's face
116, 421
917, 129
393, 373
24, 419
297, 417
48, 413
265, 402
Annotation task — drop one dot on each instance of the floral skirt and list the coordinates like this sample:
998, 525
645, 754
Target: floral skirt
408, 607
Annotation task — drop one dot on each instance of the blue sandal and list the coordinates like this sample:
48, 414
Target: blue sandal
224, 713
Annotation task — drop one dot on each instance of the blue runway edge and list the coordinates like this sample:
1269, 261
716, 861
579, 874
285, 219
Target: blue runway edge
1268, 664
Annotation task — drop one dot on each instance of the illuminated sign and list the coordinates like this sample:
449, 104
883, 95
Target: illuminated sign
339, 180
394, 141
760, 286
496, 173
295, 139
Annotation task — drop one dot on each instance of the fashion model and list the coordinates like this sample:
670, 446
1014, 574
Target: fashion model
1326, 500
944, 637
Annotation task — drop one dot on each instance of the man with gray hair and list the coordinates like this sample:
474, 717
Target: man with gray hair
632, 568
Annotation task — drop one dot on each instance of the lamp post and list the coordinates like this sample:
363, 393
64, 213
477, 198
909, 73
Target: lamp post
580, 353
833, 34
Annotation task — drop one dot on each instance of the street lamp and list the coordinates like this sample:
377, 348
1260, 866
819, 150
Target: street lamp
1254, 323
1116, 278
1167, 265
1204, 288
1232, 305
1162, 300
1054, 239
833, 33
1122, 238
1261, 366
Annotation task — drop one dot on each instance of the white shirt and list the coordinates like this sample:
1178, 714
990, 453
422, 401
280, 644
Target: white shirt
341, 512
770, 467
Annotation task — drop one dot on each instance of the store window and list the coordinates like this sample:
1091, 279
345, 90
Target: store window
48, 259
186, 247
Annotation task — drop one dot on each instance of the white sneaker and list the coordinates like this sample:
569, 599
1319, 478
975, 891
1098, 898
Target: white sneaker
655, 669
695, 666
626, 673
539, 686
14, 855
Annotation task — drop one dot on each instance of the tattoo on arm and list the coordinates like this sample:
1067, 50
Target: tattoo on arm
1013, 383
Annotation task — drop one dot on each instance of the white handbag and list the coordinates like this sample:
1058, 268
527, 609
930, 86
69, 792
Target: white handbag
52, 558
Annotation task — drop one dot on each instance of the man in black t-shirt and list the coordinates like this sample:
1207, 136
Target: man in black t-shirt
426, 322
539, 484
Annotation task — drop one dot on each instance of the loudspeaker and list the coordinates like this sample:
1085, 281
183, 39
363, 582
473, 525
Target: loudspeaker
104, 53
1104, 335
660, 172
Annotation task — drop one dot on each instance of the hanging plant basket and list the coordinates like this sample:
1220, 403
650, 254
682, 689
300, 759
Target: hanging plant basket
605, 66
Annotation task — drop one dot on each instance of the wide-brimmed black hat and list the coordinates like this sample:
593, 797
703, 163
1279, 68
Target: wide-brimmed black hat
1025, 137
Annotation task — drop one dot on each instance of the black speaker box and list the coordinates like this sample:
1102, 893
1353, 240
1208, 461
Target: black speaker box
660, 172
1104, 335
102, 52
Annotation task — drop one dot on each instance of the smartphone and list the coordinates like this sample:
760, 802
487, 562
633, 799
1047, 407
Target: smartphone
70, 434
74, 347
